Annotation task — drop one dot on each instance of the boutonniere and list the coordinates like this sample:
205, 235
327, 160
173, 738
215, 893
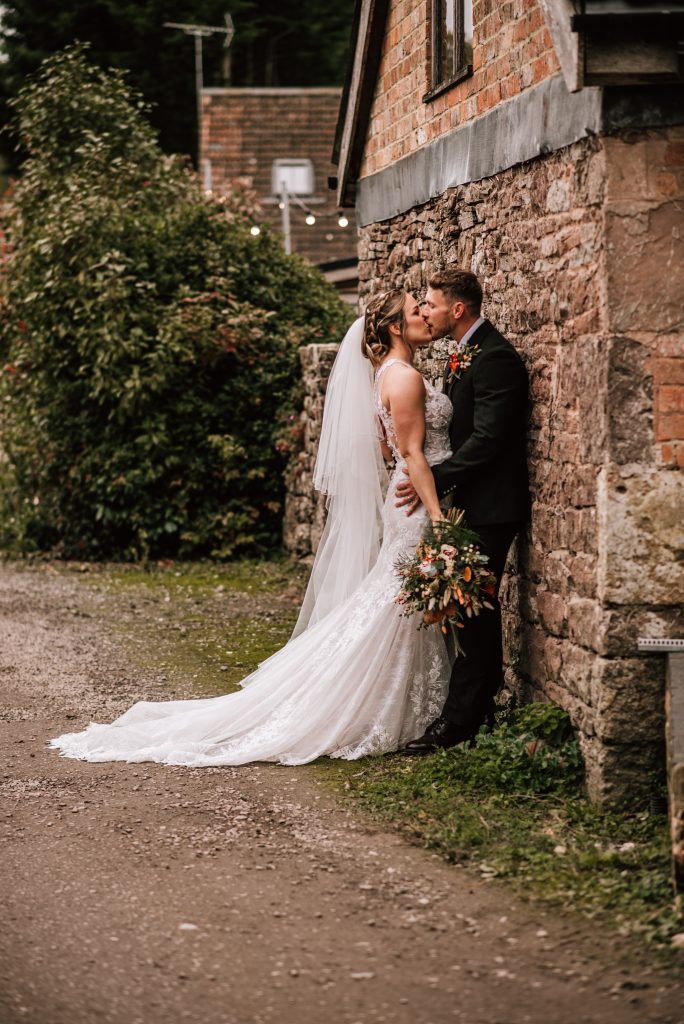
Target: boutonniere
460, 361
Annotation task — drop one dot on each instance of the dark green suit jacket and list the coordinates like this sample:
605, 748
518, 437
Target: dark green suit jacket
487, 473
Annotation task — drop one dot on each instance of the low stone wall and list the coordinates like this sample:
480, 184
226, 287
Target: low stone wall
304, 507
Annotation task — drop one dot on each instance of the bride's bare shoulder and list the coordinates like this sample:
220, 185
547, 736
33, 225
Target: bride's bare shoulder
403, 379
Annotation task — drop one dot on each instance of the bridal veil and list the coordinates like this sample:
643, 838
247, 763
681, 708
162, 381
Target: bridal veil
350, 470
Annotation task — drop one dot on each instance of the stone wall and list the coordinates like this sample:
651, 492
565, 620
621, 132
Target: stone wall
580, 256
512, 51
675, 750
304, 507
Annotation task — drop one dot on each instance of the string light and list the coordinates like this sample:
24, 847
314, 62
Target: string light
288, 199
255, 230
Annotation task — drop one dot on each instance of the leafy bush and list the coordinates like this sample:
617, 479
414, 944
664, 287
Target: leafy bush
532, 750
150, 341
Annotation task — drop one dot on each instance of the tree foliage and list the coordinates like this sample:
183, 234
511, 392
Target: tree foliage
276, 43
150, 341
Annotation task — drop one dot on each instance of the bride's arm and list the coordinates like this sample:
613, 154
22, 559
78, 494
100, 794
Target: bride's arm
406, 395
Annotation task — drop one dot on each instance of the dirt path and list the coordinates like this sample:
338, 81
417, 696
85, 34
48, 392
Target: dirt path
139, 894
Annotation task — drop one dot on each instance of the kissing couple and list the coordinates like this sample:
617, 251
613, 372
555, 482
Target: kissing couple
357, 678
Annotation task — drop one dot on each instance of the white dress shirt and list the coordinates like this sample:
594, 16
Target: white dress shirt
469, 333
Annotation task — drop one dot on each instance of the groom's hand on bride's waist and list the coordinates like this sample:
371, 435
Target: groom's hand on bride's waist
407, 496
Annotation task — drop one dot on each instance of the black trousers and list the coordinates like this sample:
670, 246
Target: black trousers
477, 674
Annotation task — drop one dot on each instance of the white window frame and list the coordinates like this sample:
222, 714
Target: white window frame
296, 173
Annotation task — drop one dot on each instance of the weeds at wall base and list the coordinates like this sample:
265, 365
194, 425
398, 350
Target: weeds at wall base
513, 809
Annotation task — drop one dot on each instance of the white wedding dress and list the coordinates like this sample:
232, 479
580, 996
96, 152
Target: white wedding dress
363, 679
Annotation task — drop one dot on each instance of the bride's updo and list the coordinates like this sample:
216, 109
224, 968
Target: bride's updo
383, 309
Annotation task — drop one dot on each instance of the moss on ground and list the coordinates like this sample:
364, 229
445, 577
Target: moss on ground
245, 577
205, 626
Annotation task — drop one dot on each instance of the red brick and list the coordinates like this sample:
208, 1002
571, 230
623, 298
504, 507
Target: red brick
669, 426
670, 398
301, 124
539, 70
482, 104
672, 454
507, 36
667, 371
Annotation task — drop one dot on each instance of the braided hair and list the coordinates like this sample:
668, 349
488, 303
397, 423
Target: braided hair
383, 309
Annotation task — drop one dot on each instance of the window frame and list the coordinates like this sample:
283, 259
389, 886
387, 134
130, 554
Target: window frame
295, 162
463, 70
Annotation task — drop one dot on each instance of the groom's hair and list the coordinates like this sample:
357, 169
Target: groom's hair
459, 286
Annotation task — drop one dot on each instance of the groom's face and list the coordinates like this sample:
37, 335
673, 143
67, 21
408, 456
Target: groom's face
440, 315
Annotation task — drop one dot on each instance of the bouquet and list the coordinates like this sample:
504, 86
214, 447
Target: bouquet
446, 579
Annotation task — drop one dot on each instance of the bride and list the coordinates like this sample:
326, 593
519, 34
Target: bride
356, 677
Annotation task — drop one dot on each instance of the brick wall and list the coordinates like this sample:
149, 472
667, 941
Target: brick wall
245, 130
512, 51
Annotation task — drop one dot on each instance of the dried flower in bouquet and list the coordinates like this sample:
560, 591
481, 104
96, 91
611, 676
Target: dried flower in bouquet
446, 580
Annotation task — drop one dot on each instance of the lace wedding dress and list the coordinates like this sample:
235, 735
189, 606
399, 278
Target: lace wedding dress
361, 680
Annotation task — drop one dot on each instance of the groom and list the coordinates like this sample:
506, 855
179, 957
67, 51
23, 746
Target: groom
486, 476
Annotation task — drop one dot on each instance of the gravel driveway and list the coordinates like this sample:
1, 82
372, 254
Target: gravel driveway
139, 894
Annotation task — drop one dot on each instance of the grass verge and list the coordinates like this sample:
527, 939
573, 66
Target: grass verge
513, 808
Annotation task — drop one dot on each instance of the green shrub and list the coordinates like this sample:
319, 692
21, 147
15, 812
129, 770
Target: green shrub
532, 750
150, 342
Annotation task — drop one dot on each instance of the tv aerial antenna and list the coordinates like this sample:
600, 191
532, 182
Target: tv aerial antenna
200, 32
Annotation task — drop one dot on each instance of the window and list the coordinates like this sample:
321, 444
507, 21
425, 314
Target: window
452, 43
296, 175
